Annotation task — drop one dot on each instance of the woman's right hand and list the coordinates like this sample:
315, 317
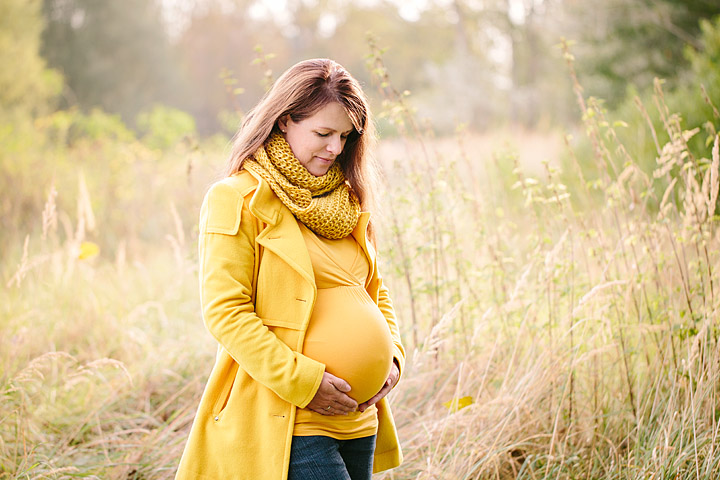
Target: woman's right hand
332, 393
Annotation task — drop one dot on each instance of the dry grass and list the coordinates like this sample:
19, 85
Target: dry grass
554, 331
585, 315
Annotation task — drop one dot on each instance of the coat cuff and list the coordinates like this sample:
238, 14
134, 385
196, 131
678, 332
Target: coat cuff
317, 370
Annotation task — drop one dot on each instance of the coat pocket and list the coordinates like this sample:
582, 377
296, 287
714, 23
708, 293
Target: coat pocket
290, 324
221, 401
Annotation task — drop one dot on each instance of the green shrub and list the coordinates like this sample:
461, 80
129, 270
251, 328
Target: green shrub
639, 127
163, 127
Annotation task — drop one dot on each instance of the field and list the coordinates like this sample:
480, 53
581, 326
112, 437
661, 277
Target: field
557, 326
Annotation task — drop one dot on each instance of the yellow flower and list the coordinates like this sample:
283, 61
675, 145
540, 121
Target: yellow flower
458, 403
88, 250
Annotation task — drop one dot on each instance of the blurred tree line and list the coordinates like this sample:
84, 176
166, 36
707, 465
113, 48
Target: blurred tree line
465, 61
627, 43
112, 94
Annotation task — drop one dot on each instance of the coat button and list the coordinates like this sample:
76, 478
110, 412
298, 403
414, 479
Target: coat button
217, 418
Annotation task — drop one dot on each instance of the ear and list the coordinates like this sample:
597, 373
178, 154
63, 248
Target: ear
283, 123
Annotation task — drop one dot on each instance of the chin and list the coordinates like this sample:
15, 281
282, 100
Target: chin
319, 172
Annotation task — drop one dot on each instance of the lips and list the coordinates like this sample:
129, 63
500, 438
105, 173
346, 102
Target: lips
326, 160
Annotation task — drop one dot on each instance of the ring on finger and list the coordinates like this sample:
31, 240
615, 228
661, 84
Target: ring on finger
328, 407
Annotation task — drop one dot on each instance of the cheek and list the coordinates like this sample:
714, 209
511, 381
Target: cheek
313, 147
298, 145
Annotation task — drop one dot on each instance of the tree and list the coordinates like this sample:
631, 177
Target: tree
634, 41
220, 41
114, 55
24, 81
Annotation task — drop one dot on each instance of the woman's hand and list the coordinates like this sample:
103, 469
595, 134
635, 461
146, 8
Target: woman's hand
331, 398
389, 384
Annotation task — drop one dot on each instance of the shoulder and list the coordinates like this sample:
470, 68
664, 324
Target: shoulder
232, 189
223, 204
243, 182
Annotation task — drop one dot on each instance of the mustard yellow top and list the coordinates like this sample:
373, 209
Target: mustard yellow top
347, 332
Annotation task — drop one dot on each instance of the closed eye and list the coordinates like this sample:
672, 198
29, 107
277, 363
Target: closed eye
344, 136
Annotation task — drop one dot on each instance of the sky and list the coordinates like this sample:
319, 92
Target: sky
177, 10
176, 14
408, 9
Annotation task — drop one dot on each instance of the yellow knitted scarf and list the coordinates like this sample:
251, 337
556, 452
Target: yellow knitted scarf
324, 204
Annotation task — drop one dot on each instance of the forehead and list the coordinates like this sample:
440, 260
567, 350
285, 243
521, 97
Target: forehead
331, 116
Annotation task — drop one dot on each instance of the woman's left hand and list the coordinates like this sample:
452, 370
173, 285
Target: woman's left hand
389, 384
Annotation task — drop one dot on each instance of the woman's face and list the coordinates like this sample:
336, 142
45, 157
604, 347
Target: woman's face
318, 139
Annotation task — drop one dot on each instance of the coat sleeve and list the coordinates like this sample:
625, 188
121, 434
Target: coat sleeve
386, 307
226, 271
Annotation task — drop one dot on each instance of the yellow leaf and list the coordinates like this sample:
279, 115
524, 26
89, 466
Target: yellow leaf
88, 250
458, 403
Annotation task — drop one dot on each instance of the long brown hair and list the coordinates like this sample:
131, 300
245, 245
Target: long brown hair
301, 91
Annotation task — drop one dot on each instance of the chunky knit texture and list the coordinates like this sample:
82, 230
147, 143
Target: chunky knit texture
324, 204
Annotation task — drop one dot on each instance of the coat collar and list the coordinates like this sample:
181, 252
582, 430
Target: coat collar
283, 237
264, 204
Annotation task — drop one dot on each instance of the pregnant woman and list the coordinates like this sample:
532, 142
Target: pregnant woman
308, 344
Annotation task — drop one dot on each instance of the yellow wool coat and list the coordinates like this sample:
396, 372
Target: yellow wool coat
244, 424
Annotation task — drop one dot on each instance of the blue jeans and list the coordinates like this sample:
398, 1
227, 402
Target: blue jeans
324, 458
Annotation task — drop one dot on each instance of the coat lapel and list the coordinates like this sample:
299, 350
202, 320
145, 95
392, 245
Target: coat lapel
360, 234
282, 236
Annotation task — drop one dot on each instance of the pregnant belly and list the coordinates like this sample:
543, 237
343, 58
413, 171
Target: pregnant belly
348, 333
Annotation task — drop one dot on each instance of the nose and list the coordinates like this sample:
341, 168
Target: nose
335, 145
